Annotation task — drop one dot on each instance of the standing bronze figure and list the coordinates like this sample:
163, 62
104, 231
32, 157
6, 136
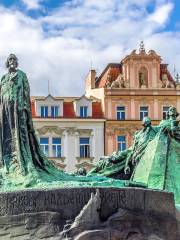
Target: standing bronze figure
20, 150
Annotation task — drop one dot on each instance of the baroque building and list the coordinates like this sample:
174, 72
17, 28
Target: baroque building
69, 130
140, 85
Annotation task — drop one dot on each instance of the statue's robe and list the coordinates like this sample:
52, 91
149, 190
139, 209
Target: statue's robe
159, 167
19, 146
20, 152
114, 165
22, 160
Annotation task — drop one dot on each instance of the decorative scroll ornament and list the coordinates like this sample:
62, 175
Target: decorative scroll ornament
50, 129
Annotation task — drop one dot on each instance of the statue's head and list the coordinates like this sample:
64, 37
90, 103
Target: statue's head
172, 112
146, 121
12, 62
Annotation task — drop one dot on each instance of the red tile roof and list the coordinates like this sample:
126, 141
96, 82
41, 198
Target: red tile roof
112, 69
97, 110
69, 110
33, 109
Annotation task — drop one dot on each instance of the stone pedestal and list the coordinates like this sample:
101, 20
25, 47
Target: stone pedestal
44, 214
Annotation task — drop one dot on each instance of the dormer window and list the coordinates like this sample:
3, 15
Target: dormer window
54, 111
83, 111
44, 111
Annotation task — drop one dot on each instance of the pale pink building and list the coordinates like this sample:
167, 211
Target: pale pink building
138, 86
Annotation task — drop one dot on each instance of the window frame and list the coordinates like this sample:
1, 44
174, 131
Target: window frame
44, 145
85, 147
121, 114
165, 112
44, 111
55, 114
122, 144
143, 111
56, 145
83, 111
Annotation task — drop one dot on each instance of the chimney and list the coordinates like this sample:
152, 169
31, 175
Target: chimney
90, 80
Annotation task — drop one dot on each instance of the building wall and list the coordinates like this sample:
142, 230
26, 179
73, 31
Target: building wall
157, 90
70, 131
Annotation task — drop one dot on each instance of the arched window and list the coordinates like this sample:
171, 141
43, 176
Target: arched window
143, 77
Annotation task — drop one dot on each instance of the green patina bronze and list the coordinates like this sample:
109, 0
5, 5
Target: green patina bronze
23, 163
153, 161
122, 164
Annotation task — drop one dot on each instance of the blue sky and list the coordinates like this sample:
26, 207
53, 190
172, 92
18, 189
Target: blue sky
58, 40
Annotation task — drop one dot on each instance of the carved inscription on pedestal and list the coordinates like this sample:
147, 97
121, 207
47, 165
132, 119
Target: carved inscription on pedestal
69, 202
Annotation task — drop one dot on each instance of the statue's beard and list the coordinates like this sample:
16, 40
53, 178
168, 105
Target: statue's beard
12, 67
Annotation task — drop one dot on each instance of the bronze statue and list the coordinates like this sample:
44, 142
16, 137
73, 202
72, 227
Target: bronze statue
20, 149
121, 164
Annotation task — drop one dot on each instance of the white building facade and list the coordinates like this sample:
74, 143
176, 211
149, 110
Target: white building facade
70, 130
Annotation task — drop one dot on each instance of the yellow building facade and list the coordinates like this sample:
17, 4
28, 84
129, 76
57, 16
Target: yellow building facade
140, 85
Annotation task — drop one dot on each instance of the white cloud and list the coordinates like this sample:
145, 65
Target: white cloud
162, 13
77, 33
32, 4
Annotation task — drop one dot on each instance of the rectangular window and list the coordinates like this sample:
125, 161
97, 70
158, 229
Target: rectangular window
121, 113
54, 111
44, 111
56, 147
165, 112
84, 147
121, 142
44, 143
143, 112
83, 111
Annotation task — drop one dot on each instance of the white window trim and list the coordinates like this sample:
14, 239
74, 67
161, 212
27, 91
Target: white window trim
90, 146
50, 145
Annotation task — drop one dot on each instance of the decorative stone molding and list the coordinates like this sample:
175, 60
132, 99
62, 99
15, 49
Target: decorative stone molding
166, 102
62, 159
84, 131
58, 164
110, 132
50, 129
71, 130
89, 159
86, 165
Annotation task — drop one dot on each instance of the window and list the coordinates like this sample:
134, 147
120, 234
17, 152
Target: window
143, 112
56, 147
44, 111
121, 142
54, 111
165, 112
44, 142
84, 147
121, 113
83, 111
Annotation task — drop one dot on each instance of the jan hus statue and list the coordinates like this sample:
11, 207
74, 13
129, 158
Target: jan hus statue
20, 150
